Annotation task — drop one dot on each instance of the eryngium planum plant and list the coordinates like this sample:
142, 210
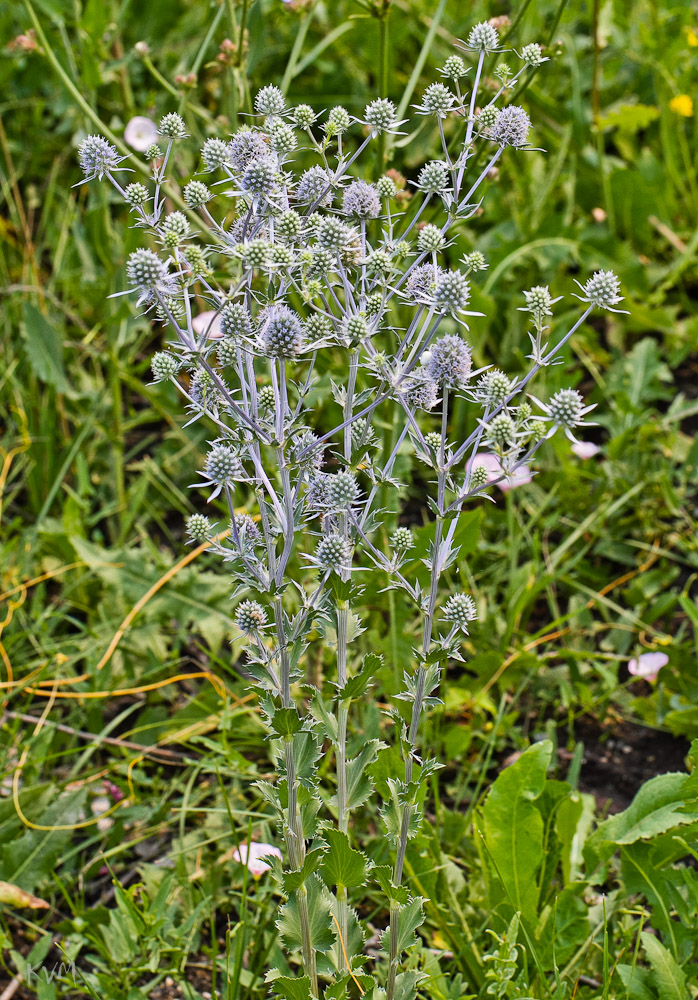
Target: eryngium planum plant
301, 270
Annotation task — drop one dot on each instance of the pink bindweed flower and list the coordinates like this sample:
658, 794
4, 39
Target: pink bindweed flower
648, 665
208, 322
141, 133
519, 477
585, 449
253, 856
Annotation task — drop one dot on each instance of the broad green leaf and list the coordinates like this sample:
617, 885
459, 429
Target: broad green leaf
512, 830
44, 348
342, 865
319, 903
636, 981
406, 984
669, 977
286, 722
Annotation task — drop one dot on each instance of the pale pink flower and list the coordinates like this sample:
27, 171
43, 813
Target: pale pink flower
209, 321
140, 133
585, 449
519, 477
648, 665
252, 855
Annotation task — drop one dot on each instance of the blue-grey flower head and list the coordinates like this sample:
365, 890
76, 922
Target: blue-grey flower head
566, 408
333, 553
421, 284
97, 157
281, 332
235, 321
449, 362
460, 610
437, 100
511, 127
260, 177
424, 394
245, 146
250, 616
361, 200
147, 272
172, 126
313, 184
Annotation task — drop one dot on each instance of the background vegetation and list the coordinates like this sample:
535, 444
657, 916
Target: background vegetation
129, 742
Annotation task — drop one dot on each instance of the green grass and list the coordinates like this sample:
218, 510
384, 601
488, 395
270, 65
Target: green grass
591, 564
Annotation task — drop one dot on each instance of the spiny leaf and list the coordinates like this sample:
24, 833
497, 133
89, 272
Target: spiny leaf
358, 685
289, 988
321, 927
383, 876
286, 722
410, 917
359, 785
294, 879
342, 865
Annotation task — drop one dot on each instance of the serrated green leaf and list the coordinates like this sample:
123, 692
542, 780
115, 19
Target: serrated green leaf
44, 348
383, 876
319, 903
342, 865
669, 977
286, 721
410, 917
291, 989
294, 879
406, 984
358, 685
359, 784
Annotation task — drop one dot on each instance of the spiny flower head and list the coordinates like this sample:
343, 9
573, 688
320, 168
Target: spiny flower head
304, 116
430, 239
259, 178
342, 490
281, 332
422, 281
245, 146
172, 126
196, 194
199, 528
386, 187
566, 408
97, 157
283, 138
539, 301
247, 530
511, 127
532, 54
401, 539
215, 153
313, 184
250, 616
424, 394
269, 101
145, 270
602, 290
453, 68
452, 292
449, 361
501, 431
475, 261
136, 194
222, 467
338, 121
493, 388
487, 116
333, 552
333, 234
379, 115
460, 609
433, 177
483, 37
175, 229
437, 100
361, 200
164, 366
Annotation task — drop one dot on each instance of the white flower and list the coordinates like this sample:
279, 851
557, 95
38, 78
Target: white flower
585, 449
140, 133
252, 855
208, 322
648, 665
